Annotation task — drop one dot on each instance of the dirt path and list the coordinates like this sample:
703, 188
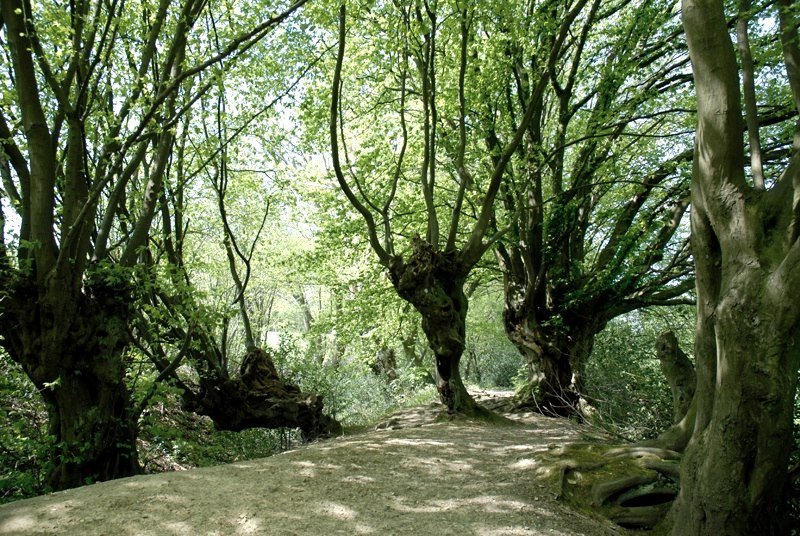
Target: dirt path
411, 476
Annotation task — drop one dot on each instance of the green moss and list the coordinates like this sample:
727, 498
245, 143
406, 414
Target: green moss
576, 471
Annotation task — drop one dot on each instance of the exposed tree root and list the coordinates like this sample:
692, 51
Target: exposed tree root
638, 451
633, 486
606, 489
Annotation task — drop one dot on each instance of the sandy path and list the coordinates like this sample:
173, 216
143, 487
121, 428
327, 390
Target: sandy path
414, 476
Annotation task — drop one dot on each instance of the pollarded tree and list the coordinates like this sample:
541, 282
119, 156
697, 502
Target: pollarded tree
431, 61
197, 327
597, 201
88, 120
746, 246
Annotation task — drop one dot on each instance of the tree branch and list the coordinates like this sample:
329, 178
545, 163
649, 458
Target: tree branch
383, 256
475, 248
749, 90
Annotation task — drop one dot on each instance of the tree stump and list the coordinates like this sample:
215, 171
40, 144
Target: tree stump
679, 371
260, 399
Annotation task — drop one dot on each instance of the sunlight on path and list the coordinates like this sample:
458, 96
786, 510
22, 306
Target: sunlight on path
426, 478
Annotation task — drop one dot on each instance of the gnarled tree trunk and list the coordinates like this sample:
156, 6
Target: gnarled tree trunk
556, 350
259, 398
433, 282
71, 347
734, 468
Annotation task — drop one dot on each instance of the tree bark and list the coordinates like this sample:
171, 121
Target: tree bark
260, 398
556, 344
747, 257
679, 372
71, 347
433, 282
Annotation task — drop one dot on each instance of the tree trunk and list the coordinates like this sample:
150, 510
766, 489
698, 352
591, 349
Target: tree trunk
259, 398
679, 372
556, 358
747, 262
733, 473
550, 388
734, 469
433, 282
72, 350
94, 427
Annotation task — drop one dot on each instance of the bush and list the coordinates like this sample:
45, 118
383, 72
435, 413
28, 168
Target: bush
25, 446
623, 377
354, 395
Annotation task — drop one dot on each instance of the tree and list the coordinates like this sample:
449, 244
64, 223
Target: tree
439, 93
747, 261
233, 380
88, 123
597, 200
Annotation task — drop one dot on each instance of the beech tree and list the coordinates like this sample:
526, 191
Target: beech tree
597, 199
437, 57
746, 247
88, 121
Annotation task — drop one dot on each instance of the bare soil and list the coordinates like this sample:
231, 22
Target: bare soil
415, 473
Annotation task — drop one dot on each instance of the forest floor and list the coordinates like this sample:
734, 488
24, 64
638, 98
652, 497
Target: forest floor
414, 473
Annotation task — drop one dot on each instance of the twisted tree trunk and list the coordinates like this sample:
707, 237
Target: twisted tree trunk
259, 398
747, 255
433, 282
556, 349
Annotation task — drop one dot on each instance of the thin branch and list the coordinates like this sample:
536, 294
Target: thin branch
167, 371
336, 88
749, 90
463, 174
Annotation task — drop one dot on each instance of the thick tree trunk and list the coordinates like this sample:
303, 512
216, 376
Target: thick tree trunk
556, 359
259, 398
550, 388
433, 282
747, 352
734, 469
94, 427
72, 350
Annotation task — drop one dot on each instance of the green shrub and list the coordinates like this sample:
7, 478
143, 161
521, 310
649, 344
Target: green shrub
25, 446
623, 377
